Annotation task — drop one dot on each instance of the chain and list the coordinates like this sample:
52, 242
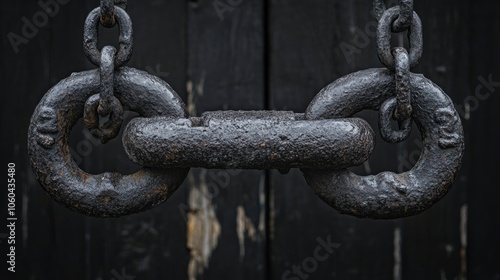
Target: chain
405, 16
108, 11
109, 59
104, 103
324, 141
398, 60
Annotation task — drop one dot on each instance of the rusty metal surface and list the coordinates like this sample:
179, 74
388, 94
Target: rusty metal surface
389, 195
398, 108
403, 21
248, 140
320, 142
108, 11
105, 103
384, 33
385, 126
108, 194
402, 76
91, 38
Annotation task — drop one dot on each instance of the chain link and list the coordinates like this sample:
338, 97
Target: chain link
386, 116
107, 76
384, 34
91, 38
400, 62
398, 108
105, 104
402, 75
108, 11
403, 22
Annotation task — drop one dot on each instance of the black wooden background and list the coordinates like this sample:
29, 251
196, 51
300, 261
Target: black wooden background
255, 54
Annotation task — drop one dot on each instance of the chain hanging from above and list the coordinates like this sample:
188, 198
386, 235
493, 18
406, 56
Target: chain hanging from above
402, 96
108, 90
400, 61
323, 142
105, 103
405, 16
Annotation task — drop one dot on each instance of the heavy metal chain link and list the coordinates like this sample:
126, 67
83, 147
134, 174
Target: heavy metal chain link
108, 11
398, 60
105, 104
405, 16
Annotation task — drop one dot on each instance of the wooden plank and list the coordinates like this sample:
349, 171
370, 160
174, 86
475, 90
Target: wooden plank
483, 192
306, 55
222, 63
45, 232
431, 245
226, 72
149, 245
309, 42
68, 245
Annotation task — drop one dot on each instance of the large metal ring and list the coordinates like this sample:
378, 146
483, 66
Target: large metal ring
107, 194
384, 34
389, 195
91, 37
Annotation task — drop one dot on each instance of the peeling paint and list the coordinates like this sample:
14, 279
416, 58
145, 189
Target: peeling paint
367, 167
30, 182
203, 227
200, 87
191, 106
397, 254
271, 215
245, 225
192, 89
464, 211
262, 204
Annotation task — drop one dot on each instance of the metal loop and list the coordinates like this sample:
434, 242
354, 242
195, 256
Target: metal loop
105, 103
403, 22
111, 128
121, 3
379, 8
384, 39
402, 76
386, 115
108, 13
388, 195
107, 194
90, 37
107, 70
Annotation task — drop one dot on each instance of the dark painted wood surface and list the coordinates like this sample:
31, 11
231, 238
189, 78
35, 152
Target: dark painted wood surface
220, 224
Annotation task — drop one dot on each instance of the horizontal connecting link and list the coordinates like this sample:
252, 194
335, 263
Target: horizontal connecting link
248, 140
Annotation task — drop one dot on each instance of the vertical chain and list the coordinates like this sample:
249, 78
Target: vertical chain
110, 13
398, 19
405, 17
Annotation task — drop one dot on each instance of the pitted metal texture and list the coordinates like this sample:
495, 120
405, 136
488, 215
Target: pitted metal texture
248, 140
